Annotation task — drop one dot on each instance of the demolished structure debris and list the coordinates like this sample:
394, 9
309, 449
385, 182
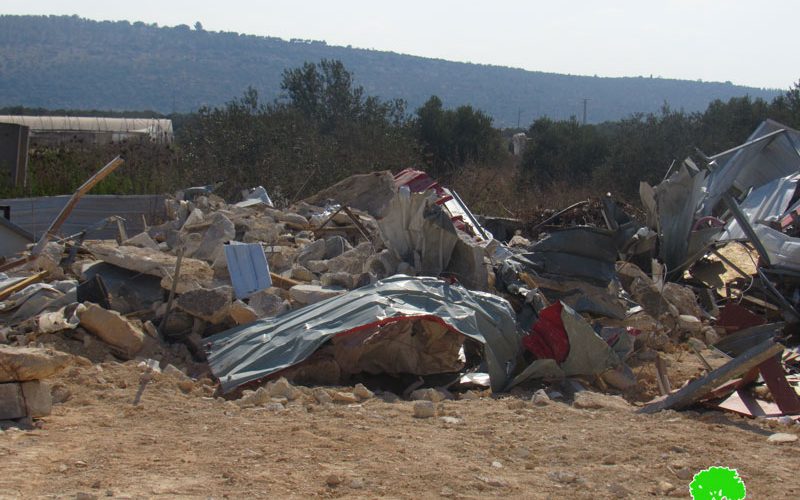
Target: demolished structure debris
390, 281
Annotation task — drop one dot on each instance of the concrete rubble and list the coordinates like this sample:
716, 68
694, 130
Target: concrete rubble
388, 284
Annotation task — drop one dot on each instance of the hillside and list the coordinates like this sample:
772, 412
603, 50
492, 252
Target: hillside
68, 62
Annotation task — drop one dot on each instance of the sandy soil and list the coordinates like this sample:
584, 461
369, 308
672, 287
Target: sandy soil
178, 444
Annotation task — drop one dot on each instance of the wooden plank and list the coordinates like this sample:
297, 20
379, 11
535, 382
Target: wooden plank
695, 390
19, 285
281, 282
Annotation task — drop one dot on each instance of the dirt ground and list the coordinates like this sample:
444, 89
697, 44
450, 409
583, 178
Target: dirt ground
178, 444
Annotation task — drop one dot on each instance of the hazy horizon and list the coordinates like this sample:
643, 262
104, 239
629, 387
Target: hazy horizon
677, 39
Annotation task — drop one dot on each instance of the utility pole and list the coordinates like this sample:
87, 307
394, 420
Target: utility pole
519, 116
585, 100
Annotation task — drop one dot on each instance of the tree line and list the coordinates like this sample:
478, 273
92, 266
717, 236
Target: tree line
325, 127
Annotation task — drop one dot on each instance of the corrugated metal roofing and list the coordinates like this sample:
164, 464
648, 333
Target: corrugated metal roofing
35, 214
248, 268
257, 350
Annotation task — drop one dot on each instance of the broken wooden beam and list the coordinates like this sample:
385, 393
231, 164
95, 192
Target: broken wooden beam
697, 389
19, 285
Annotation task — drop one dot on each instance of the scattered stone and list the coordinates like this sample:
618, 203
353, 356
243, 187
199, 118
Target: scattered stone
313, 251
684, 473
241, 313
424, 409
113, 329
301, 273
174, 371
19, 364
711, 336
212, 305
259, 397
333, 480
282, 388
357, 483
619, 491
564, 477
664, 487
345, 397
540, 398
587, 400
322, 396
60, 394
38, 401
428, 394
335, 246
12, 404
495, 482
362, 393
311, 294
274, 407
292, 218
469, 395
696, 343
218, 233
782, 437
451, 420
266, 304
446, 492
317, 266
389, 397
690, 324
497, 465
340, 279
141, 240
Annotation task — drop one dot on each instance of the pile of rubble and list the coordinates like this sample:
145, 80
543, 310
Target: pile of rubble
390, 282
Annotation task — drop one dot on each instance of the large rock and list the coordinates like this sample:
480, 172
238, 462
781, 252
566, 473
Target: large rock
218, 233
113, 329
266, 304
370, 192
313, 251
194, 273
141, 240
241, 313
19, 364
310, 294
352, 261
340, 279
211, 305
683, 298
12, 403
38, 401
335, 246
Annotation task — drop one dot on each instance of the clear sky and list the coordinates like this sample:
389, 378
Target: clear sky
745, 42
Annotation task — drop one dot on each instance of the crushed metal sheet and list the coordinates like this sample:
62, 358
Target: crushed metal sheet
248, 268
254, 351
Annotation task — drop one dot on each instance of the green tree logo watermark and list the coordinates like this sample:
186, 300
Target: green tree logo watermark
717, 483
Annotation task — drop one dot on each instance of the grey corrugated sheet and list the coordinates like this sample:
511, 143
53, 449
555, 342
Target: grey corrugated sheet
771, 199
254, 351
756, 164
35, 214
248, 268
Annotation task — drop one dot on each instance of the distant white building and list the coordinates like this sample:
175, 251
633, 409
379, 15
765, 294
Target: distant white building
52, 130
518, 142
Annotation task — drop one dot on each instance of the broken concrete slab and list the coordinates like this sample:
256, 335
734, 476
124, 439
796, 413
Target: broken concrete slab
218, 233
310, 294
335, 246
313, 251
113, 329
141, 240
38, 401
211, 305
267, 304
12, 403
20, 364
301, 273
587, 400
241, 313
194, 272
340, 279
